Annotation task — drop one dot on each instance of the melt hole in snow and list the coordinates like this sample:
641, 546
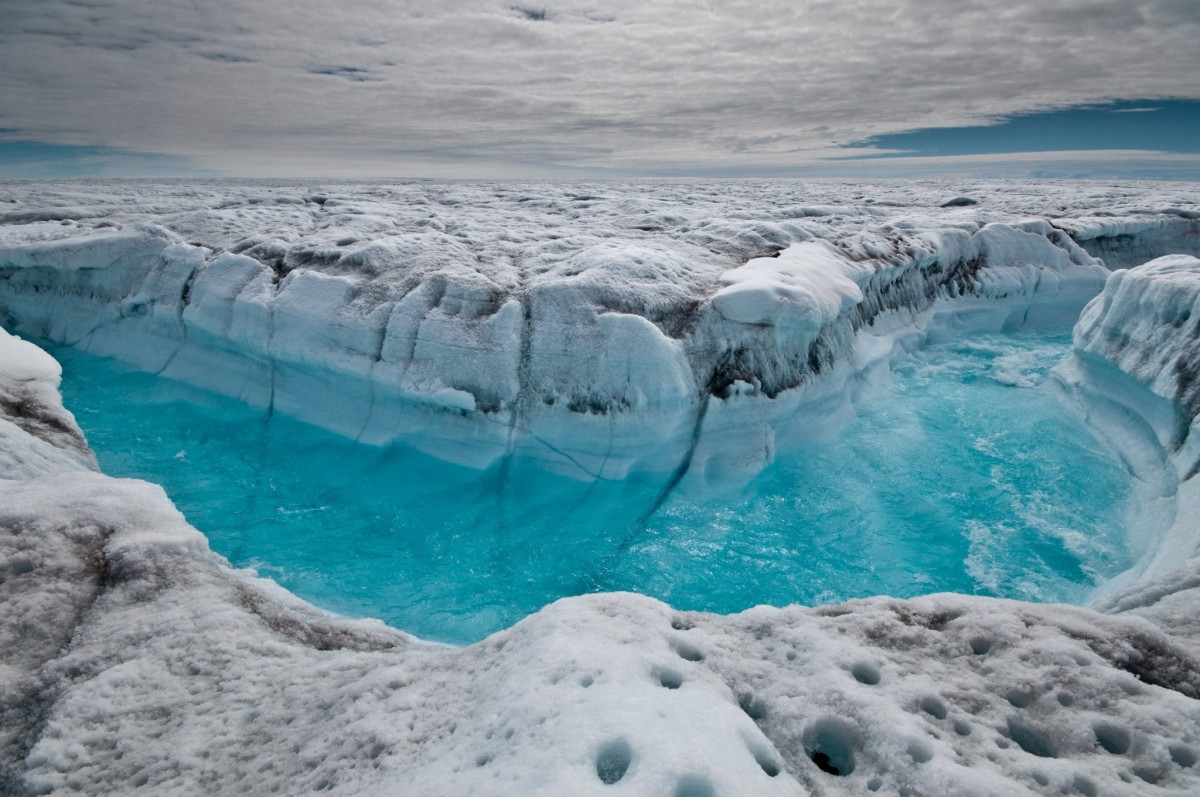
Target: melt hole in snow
1112, 738
755, 709
765, 760
920, 750
865, 673
1129, 687
586, 681
1030, 739
1018, 698
980, 645
670, 679
934, 707
694, 786
613, 761
1183, 755
687, 651
19, 566
830, 743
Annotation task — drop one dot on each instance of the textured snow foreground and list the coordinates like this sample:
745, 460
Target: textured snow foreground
600, 331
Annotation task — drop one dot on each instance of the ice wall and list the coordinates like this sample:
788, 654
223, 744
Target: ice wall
37, 435
1123, 241
594, 342
1136, 375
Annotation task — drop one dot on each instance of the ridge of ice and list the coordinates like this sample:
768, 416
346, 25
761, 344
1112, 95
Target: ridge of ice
590, 328
1134, 375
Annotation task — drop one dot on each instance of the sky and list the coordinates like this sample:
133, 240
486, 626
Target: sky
579, 88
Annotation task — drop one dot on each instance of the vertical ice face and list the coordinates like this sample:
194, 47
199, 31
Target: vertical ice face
37, 435
1138, 345
1147, 324
592, 329
1125, 241
1135, 375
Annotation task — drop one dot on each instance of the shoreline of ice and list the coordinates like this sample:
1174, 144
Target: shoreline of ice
597, 335
138, 661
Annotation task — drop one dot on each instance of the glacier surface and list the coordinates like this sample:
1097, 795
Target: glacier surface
598, 331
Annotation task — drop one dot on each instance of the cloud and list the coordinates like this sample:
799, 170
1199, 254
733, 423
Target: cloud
399, 86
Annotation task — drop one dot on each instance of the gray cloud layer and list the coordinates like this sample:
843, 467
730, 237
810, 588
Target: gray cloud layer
468, 86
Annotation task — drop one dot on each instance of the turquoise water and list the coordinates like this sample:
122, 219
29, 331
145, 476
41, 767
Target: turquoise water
965, 475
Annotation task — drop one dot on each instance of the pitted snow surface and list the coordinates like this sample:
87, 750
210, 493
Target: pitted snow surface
158, 670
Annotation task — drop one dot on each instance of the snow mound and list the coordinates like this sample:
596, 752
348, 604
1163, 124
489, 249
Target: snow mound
158, 670
37, 435
805, 286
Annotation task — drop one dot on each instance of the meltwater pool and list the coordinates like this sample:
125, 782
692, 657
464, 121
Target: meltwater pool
966, 474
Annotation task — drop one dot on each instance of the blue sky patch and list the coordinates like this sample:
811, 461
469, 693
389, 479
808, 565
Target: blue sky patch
1160, 125
25, 159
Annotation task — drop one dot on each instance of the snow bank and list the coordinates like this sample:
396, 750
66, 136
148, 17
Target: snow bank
591, 332
136, 662
1136, 375
37, 435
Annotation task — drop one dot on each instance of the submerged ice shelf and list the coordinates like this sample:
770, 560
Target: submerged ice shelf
965, 474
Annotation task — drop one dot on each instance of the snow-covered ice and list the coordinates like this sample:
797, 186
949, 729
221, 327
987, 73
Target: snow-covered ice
598, 329
589, 327
37, 435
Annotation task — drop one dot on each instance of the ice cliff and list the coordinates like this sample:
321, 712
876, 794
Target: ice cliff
597, 329
1136, 375
134, 660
